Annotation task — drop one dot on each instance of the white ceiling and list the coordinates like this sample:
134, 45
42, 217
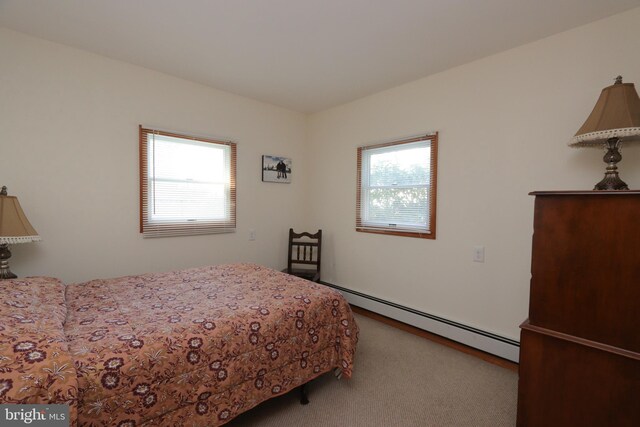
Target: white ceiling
305, 55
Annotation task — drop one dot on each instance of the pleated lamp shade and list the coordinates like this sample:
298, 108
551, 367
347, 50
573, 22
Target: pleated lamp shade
615, 115
14, 225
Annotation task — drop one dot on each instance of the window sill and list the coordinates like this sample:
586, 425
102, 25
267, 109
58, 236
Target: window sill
421, 235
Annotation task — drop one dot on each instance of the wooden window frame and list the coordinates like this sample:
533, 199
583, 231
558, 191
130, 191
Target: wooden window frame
180, 228
431, 234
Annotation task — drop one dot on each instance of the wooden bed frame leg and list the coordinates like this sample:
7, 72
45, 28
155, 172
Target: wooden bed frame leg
303, 394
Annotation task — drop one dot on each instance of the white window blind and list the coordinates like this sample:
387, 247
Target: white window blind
187, 185
396, 187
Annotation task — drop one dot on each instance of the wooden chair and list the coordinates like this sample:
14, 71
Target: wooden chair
304, 249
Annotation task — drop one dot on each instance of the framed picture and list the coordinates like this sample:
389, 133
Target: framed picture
276, 169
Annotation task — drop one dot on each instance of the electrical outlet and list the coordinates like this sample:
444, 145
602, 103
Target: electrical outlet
478, 254
252, 234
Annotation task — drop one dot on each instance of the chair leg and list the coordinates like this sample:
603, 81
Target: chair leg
303, 394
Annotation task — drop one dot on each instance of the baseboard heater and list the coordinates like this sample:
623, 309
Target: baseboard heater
491, 343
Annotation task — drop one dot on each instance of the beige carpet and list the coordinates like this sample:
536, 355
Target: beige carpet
399, 380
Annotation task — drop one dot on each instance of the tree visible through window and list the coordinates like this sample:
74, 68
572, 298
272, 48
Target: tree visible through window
187, 184
397, 187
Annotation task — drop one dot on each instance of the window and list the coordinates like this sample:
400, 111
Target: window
187, 185
397, 188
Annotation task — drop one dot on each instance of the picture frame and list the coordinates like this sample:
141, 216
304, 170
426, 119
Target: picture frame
276, 169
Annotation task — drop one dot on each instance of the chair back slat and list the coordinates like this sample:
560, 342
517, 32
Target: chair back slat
305, 251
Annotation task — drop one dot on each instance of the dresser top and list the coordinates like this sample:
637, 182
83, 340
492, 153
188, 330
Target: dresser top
586, 193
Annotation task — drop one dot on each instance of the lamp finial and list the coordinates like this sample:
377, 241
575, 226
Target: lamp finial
618, 80
4, 191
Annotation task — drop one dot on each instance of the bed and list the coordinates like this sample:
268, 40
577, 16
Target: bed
194, 347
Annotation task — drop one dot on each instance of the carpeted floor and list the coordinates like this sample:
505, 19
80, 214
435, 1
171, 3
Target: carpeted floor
399, 380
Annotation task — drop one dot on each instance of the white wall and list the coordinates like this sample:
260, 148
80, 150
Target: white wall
69, 151
504, 122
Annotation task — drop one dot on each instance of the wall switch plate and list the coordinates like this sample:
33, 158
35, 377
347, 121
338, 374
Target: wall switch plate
478, 254
252, 234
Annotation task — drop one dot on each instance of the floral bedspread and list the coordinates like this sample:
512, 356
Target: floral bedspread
35, 363
196, 347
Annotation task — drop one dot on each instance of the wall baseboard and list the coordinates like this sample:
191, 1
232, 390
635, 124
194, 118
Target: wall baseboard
491, 343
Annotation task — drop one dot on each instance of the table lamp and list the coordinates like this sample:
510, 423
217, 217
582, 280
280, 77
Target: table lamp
14, 228
616, 115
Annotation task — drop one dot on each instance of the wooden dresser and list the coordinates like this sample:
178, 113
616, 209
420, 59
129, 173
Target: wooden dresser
580, 347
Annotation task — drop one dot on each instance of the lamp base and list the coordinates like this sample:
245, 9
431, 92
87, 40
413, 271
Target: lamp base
611, 180
5, 254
